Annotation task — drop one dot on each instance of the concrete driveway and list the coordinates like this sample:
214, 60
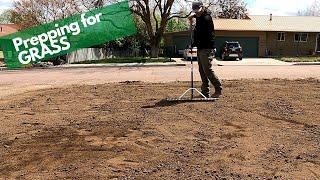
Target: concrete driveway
252, 62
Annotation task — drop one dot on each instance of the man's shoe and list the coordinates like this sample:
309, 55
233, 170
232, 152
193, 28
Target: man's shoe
217, 94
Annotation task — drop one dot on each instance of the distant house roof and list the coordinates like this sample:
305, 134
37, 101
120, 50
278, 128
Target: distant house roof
266, 23
6, 29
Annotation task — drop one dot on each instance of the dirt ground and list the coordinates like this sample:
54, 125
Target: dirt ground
260, 129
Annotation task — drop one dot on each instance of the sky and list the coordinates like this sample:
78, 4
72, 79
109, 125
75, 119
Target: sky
5, 4
256, 7
277, 7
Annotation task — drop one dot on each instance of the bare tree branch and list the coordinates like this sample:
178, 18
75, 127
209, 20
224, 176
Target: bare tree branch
178, 15
154, 15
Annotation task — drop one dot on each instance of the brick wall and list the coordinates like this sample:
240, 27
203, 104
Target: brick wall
267, 40
289, 47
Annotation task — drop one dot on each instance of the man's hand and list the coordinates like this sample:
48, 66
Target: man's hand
190, 18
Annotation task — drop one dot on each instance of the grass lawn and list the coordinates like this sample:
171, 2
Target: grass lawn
127, 60
300, 59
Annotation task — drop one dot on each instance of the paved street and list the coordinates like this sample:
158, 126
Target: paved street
19, 81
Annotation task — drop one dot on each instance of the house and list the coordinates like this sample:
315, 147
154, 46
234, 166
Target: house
6, 29
262, 35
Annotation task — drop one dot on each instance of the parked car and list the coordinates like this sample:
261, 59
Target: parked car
188, 54
231, 50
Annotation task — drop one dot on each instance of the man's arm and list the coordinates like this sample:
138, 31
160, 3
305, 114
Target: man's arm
211, 30
210, 24
190, 18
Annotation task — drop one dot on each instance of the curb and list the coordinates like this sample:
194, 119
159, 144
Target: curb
256, 65
131, 65
112, 66
306, 63
220, 64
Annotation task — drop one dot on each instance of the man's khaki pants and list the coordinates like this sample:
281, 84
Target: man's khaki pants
206, 72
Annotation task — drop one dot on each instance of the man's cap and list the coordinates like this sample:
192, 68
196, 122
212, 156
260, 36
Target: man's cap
196, 5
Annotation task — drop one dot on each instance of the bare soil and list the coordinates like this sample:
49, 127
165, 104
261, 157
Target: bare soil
260, 129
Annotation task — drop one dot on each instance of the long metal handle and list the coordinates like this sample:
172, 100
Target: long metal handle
192, 85
191, 41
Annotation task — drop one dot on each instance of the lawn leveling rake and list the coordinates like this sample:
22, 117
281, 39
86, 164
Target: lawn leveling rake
192, 89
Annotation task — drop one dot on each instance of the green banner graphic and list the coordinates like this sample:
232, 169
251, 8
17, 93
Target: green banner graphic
64, 36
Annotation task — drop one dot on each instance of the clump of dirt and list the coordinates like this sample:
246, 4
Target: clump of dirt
265, 129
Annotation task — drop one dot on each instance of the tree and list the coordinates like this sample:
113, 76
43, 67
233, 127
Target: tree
230, 9
5, 17
155, 14
148, 10
176, 24
29, 13
137, 43
312, 10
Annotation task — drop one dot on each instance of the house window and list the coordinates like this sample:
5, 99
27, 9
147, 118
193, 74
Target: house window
300, 37
281, 36
0, 29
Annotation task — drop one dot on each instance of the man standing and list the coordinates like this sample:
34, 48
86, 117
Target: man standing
205, 43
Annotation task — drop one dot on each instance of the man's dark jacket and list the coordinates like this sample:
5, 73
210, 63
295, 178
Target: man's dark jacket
204, 37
